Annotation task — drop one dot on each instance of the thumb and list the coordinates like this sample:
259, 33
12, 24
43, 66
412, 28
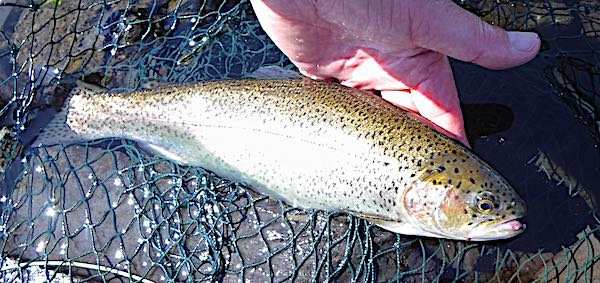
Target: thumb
445, 27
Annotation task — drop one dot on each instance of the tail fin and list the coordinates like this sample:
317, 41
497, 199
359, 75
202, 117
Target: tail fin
56, 131
49, 126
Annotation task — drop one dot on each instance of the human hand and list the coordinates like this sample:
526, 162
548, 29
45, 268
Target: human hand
397, 47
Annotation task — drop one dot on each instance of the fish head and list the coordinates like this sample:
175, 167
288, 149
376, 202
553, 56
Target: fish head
465, 199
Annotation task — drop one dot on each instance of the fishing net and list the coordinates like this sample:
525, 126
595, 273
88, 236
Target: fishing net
106, 211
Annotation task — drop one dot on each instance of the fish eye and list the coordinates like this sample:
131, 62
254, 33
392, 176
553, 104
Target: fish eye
485, 205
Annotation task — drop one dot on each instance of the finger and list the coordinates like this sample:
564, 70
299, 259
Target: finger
433, 90
445, 27
448, 118
400, 98
404, 99
436, 98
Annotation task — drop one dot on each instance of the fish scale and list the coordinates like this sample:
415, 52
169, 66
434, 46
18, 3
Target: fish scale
314, 144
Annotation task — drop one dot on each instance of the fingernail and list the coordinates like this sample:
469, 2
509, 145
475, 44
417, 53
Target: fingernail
523, 41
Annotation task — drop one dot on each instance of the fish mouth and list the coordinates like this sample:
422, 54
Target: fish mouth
511, 225
502, 230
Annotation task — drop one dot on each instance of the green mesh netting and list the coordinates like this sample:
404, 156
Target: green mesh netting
104, 211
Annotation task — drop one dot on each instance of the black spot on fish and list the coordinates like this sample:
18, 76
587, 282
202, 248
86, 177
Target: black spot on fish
456, 170
441, 169
472, 180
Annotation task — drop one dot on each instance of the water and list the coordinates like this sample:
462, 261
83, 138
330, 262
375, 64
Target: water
542, 122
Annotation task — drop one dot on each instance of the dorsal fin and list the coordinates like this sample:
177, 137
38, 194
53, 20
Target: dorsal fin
274, 72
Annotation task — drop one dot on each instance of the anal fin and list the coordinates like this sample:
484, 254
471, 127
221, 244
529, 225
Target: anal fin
163, 152
404, 228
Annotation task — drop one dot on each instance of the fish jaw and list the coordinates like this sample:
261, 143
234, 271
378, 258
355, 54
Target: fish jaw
497, 231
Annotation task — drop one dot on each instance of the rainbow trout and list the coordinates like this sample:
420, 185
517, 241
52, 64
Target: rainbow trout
314, 144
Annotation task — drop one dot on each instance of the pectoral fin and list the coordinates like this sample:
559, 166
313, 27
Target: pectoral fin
396, 226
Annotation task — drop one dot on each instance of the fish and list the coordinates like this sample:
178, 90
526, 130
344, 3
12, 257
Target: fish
314, 145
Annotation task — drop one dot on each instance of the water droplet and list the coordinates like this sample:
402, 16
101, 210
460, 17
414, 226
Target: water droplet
51, 211
41, 246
